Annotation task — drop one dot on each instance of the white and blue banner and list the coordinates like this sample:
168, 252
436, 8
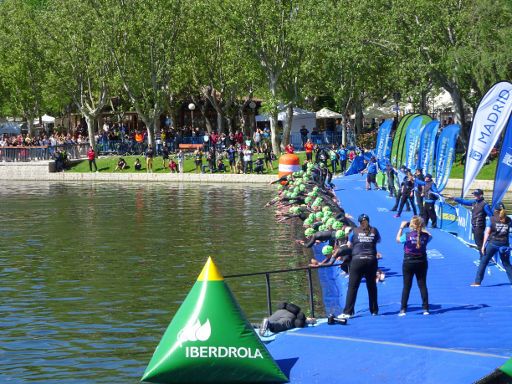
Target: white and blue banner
383, 147
503, 176
412, 142
464, 230
445, 154
490, 118
427, 147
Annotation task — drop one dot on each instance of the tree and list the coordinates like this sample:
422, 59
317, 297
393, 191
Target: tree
81, 60
22, 59
143, 38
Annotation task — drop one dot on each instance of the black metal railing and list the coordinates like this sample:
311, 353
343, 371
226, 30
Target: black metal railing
267, 281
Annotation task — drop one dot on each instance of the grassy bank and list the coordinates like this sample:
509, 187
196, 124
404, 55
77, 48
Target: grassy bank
109, 163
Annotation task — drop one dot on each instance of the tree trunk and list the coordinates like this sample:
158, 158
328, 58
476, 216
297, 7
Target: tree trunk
460, 114
91, 125
220, 122
359, 119
287, 126
273, 134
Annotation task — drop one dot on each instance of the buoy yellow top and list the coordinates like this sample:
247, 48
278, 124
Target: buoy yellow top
210, 272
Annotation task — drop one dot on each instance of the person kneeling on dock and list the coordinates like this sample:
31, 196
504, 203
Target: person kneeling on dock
286, 317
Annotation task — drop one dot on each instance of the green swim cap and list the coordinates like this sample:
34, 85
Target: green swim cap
328, 213
294, 195
337, 225
309, 232
302, 187
326, 208
319, 215
279, 187
307, 200
312, 216
321, 227
327, 250
340, 234
330, 221
316, 189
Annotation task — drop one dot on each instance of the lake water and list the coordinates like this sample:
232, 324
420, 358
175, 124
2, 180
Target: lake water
91, 274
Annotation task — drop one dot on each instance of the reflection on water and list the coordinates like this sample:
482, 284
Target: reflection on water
91, 274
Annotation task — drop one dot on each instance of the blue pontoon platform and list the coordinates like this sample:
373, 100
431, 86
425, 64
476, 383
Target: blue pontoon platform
466, 336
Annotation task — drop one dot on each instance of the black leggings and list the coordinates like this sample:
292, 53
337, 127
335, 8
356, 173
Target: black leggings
418, 269
478, 234
360, 268
406, 198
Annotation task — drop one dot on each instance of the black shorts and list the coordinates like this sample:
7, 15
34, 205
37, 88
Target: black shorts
371, 178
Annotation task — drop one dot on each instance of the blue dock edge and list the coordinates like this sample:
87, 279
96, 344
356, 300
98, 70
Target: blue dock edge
467, 335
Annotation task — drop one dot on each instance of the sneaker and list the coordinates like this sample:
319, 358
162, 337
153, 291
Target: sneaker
264, 326
401, 313
475, 285
396, 216
375, 313
344, 316
426, 313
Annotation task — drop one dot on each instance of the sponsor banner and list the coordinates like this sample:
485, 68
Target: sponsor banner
503, 177
464, 231
289, 168
398, 140
446, 217
445, 154
412, 142
427, 147
383, 138
490, 118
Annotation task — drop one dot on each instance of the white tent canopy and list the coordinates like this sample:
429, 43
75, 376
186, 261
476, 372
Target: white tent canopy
45, 119
326, 113
298, 114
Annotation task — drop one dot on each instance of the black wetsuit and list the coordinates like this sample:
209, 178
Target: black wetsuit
329, 236
363, 264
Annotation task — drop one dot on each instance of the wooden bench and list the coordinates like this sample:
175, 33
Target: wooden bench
190, 147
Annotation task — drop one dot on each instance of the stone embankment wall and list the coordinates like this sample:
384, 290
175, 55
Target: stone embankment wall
39, 171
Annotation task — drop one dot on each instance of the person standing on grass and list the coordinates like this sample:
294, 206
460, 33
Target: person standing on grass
149, 159
91, 156
181, 160
415, 261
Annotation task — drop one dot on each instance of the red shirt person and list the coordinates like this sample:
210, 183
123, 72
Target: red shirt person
91, 156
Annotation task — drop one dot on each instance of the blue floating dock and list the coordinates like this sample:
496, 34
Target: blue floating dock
467, 335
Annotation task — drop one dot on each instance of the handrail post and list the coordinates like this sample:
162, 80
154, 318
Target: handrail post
311, 298
269, 300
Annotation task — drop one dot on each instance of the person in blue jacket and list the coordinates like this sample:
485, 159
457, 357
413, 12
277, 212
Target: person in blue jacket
479, 211
430, 195
496, 241
371, 170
